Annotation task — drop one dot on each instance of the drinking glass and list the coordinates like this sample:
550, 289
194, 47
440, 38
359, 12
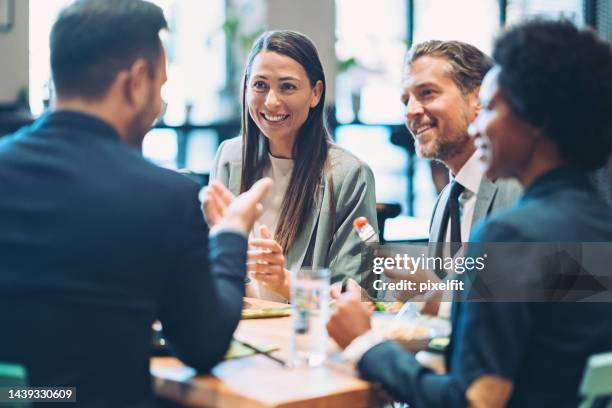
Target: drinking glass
310, 311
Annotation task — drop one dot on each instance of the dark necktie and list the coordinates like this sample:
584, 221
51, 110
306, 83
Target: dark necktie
455, 237
455, 218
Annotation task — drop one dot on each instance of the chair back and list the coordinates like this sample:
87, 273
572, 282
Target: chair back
14, 376
384, 211
596, 387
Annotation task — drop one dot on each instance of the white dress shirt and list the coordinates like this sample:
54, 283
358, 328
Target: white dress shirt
469, 176
279, 170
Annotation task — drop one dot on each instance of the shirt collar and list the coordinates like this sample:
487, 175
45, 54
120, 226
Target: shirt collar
85, 122
470, 175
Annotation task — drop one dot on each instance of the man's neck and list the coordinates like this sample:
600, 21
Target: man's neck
97, 109
456, 162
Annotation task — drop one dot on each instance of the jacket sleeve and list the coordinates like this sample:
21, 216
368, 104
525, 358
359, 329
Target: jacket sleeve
493, 336
405, 379
202, 298
490, 338
356, 198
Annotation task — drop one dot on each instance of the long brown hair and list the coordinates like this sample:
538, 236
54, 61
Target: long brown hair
310, 151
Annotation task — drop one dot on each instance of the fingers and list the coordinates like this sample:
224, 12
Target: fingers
353, 287
269, 278
335, 290
353, 290
353, 297
334, 332
246, 208
257, 192
348, 321
265, 268
268, 244
264, 231
271, 275
212, 207
222, 191
268, 257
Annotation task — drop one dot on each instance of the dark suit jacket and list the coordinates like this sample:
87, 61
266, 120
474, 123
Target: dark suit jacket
541, 347
96, 243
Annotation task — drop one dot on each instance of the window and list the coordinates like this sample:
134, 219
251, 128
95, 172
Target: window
521, 9
475, 22
196, 72
42, 16
372, 37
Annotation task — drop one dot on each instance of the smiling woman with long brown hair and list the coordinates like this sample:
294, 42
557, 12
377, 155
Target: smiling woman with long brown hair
319, 188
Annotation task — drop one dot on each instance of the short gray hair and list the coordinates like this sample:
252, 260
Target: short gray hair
468, 64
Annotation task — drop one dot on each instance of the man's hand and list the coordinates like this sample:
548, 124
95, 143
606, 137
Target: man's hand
336, 289
267, 261
216, 201
351, 318
223, 209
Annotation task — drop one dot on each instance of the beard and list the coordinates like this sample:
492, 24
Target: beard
446, 146
442, 148
142, 122
137, 130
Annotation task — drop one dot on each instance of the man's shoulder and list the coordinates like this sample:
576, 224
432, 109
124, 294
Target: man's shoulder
508, 192
9, 143
164, 180
509, 186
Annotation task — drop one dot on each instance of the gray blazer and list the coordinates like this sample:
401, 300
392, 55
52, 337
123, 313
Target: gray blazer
354, 194
492, 196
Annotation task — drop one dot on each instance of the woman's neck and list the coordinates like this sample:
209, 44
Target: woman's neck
280, 150
545, 158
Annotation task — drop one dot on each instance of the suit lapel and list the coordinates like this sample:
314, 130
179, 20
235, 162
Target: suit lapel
233, 184
437, 228
295, 256
484, 199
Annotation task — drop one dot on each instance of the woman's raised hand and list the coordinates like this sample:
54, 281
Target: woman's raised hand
266, 263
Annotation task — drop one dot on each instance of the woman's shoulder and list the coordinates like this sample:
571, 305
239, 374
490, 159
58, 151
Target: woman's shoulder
344, 163
578, 216
230, 150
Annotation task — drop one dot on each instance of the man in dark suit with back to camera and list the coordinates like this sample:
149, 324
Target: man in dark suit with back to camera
96, 242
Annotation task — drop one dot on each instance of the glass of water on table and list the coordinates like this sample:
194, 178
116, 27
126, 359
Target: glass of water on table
310, 313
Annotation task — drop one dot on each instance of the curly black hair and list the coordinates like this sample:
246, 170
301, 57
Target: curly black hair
559, 78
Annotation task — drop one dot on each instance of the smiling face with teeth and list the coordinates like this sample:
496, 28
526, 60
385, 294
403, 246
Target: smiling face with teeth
279, 97
437, 112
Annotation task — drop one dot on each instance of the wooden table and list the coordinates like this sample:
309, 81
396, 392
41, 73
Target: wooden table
257, 381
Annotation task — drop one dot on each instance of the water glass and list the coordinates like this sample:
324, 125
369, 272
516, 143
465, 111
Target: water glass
310, 311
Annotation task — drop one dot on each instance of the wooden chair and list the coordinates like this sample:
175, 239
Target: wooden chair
596, 387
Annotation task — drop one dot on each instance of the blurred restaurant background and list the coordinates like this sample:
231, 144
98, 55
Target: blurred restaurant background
362, 46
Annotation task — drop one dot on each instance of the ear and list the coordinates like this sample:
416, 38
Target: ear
137, 83
474, 100
317, 91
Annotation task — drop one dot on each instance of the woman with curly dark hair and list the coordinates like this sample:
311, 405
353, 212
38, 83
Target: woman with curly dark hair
545, 120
